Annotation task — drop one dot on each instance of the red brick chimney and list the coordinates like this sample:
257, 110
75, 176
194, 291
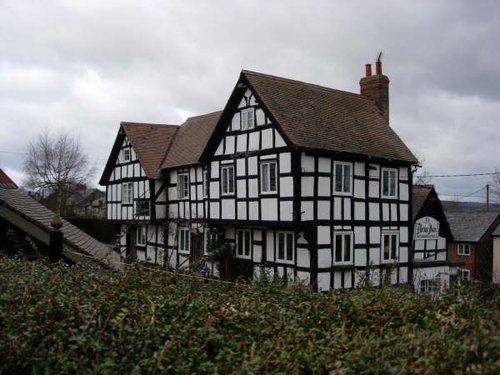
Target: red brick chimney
376, 88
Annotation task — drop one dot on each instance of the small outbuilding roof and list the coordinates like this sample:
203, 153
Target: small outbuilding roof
21, 210
6, 182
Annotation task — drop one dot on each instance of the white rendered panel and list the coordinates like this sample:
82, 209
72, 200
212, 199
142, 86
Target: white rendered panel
307, 163
252, 166
323, 210
373, 189
324, 258
228, 209
285, 162
242, 211
307, 186
214, 210
254, 211
359, 235
323, 281
241, 188
360, 257
280, 142
260, 117
324, 165
337, 208
286, 211
324, 232
359, 211
374, 211
214, 169
269, 209
267, 139
286, 186
307, 210
324, 184
253, 143
241, 142
235, 121
359, 189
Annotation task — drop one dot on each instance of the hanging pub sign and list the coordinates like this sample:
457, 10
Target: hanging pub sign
426, 228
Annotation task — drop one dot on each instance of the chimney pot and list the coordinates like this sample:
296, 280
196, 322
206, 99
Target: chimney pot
378, 66
368, 70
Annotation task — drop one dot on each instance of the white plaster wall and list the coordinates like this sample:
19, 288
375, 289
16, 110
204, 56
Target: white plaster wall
269, 208
285, 162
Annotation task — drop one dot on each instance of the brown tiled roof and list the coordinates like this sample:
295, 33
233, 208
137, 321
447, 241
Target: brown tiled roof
191, 140
322, 118
75, 240
470, 226
420, 194
6, 182
150, 143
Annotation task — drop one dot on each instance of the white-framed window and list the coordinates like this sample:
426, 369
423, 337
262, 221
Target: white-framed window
342, 248
342, 179
463, 249
285, 246
184, 240
127, 193
243, 243
141, 235
268, 176
142, 207
126, 154
227, 174
247, 119
205, 183
429, 286
389, 183
183, 185
465, 274
390, 246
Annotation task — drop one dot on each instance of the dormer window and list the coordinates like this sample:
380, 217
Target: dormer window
247, 119
126, 154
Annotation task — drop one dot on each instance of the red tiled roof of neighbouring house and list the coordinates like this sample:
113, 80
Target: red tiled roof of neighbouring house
6, 182
150, 143
420, 194
317, 117
191, 140
76, 241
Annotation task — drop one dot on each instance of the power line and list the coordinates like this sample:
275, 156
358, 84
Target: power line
458, 175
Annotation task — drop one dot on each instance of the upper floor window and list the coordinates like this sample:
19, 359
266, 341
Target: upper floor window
227, 173
390, 245
142, 207
141, 235
127, 193
183, 185
184, 240
247, 119
285, 246
343, 247
342, 178
463, 249
268, 176
205, 183
126, 154
389, 182
243, 243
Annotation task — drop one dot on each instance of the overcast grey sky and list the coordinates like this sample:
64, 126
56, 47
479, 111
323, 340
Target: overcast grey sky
84, 66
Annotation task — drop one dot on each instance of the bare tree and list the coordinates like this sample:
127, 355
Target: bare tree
55, 163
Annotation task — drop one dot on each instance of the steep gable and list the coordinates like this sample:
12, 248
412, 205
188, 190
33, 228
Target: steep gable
6, 182
150, 143
317, 117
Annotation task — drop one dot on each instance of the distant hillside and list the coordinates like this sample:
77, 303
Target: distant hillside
453, 206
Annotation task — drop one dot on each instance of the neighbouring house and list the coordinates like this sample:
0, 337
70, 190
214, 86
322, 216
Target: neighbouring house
473, 243
431, 270
496, 256
304, 182
26, 227
91, 205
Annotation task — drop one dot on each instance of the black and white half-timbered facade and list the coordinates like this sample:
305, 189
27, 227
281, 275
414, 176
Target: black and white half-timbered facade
303, 181
432, 271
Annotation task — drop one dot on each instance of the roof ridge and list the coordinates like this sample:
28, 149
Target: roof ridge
302, 83
201, 116
145, 123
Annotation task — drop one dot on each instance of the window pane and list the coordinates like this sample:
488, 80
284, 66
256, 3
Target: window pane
231, 180
394, 244
289, 246
338, 178
392, 192
281, 246
347, 178
385, 183
239, 245
338, 248
265, 177
272, 176
347, 248
247, 243
386, 244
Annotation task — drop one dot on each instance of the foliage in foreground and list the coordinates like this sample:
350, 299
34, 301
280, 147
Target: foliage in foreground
64, 319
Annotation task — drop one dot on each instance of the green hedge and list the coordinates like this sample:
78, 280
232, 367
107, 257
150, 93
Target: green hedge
64, 319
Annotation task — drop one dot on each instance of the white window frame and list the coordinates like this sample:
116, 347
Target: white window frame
141, 235
244, 243
183, 185
393, 253
341, 178
346, 239
247, 118
127, 193
287, 254
127, 154
266, 177
392, 176
184, 242
227, 179
463, 249
429, 286
464, 274
137, 202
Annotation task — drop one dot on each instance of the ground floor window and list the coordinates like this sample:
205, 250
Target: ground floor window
184, 240
243, 243
390, 245
429, 286
342, 248
465, 274
285, 246
141, 235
